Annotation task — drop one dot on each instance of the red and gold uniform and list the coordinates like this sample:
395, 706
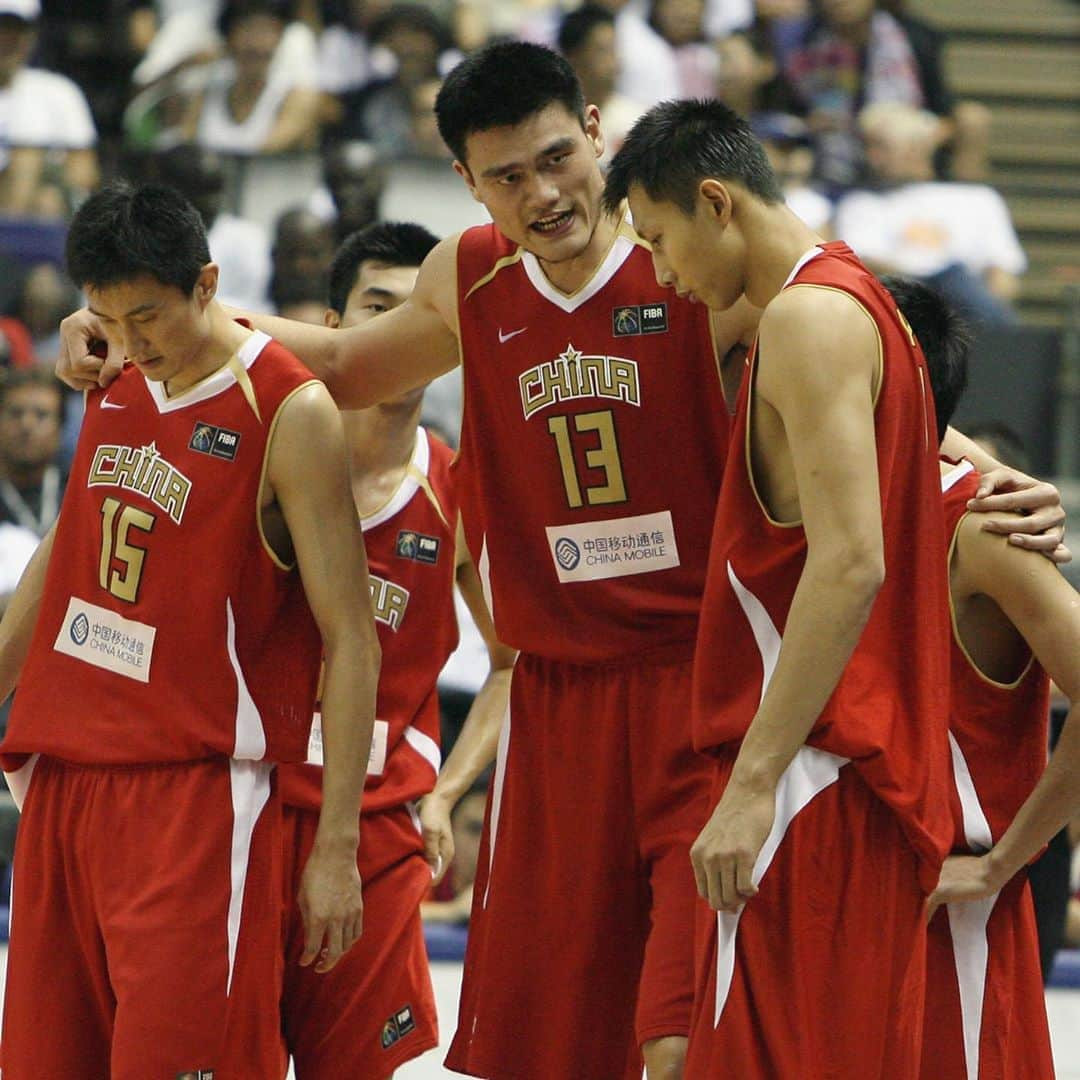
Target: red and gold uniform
174, 657
592, 446
862, 814
375, 1009
985, 1007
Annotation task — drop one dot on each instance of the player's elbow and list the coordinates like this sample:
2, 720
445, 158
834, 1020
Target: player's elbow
859, 567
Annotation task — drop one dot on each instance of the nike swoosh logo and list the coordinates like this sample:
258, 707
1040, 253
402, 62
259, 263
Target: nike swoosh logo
503, 338
107, 404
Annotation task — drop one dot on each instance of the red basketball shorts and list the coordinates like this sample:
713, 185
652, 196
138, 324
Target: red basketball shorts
581, 938
820, 975
985, 1007
375, 1009
145, 924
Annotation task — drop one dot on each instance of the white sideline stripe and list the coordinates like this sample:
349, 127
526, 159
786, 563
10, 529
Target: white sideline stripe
496, 795
250, 785
811, 771
766, 636
967, 921
425, 746
18, 782
250, 737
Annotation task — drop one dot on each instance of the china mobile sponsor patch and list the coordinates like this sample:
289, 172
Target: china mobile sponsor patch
616, 548
100, 637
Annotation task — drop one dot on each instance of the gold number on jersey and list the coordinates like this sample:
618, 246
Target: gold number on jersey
117, 519
605, 457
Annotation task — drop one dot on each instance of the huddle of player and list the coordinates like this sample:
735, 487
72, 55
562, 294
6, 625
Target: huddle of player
774, 660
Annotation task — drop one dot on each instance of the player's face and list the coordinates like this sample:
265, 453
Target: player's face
540, 180
379, 288
697, 254
160, 329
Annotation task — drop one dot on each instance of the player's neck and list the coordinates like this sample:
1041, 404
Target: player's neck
381, 441
224, 337
777, 240
572, 274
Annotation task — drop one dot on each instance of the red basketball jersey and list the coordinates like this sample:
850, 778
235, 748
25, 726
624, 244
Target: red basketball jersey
889, 710
1000, 731
168, 629
592, 446
410, 550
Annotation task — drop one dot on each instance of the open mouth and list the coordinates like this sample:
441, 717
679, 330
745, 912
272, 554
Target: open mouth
553, 223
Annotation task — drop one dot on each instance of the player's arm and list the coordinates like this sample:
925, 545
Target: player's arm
1005, 492
733, 331
475, 748
308, 474
362, 365
819, 354
17, 625
1045, 608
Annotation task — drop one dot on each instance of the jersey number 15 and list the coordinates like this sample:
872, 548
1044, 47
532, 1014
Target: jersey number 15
121, 565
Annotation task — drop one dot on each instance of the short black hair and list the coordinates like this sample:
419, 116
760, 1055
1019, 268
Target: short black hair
500, 85
235, 10
677, 144
576, 26
391, 243
411, 17
122, 232
944, 338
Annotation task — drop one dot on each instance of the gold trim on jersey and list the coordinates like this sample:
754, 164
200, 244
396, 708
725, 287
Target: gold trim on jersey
274, 558
878, 383
425, 486
235, 366
500, 264
989, 680
243, 380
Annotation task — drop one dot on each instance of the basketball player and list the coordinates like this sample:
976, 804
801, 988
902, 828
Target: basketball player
376, 1009
166, 639
593, 441
1014, 619
830, 795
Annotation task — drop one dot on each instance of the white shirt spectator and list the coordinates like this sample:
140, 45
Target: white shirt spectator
42, 108
810, 207
241, 248
920, 229
17, 545
648, 73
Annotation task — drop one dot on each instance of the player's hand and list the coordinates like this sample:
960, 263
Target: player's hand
434, 813
1043, 526
964, 877
85, 360
727, 848
332, 906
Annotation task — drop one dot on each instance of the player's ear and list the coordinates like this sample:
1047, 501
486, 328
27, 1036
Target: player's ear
206, 284
331, 318
463, 172
593, 131
717, 199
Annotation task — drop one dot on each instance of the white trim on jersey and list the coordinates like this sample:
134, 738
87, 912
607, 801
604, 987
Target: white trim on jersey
766, 636
216, 383
249, 782
497, 783
804, 258
955, 475
421, 461
425, 746
250, 737
18, 782
619, 253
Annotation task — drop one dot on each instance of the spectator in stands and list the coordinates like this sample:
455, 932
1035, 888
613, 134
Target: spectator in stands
48, 161
957, 237
382, 111
31, 480
788, 144
681, 23
587, 40
256, 101
240, 247
301, 253
47, 297
648, 73
347, 60
452, 901
355, 181
854, 53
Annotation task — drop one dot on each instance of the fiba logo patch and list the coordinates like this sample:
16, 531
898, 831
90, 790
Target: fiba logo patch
625, 321
80, 629
397, 1026
568, 553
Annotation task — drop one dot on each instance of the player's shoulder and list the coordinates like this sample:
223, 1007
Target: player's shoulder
812, 309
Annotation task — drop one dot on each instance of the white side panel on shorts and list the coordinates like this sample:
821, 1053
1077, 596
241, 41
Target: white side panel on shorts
250, 785
483, 569
766, 636
250, 737
811, 771
497, 782
425, 746
18, 782
967, 921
